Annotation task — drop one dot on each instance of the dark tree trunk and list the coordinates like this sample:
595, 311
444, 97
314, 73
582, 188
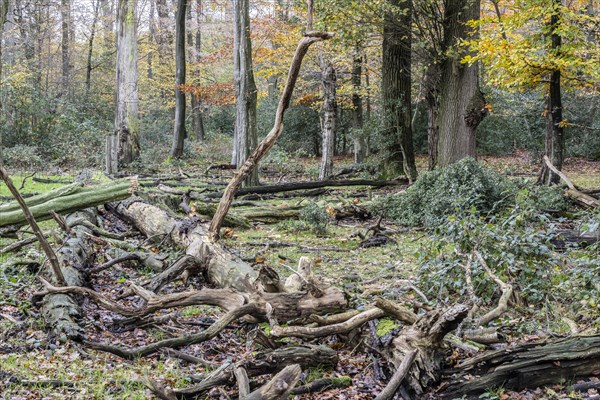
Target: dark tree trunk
555, 140
245, 135
88, 69
462, 105
179, 133
328, 119
396, 89
357, 110
432, 78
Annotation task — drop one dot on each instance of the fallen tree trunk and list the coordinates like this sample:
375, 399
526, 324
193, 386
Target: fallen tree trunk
526, 366
89, 197
62, 312
42, 198
225, 270
573, 193
288, 187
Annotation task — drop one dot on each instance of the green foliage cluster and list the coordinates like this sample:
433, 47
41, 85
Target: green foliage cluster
437, 194
460, 188
312, 218
516, 245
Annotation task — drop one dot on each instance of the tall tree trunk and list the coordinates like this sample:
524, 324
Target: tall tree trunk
328, 119
152, 38
357, 110
122, 146
65, 15
245, 134
88, 69
165, 36
195, 43
396, 83
432, 78
462, 105
555, 140
3, 14
179, 133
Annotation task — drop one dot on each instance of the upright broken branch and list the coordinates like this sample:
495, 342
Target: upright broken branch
269, 140
34, 227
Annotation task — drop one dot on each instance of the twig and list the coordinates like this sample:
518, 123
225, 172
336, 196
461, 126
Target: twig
35, 227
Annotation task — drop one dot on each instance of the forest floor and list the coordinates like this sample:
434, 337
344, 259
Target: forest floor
34, 366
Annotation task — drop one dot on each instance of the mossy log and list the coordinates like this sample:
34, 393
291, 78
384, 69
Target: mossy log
42, 198
526, 366
83, 198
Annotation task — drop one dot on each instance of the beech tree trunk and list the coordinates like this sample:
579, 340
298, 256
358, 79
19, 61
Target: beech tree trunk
123, 145
396, 83
555, 140
462, 105
195, 44
88, 68
328, 123
245, 134
360, 146
65, 15
179, 133
3, 14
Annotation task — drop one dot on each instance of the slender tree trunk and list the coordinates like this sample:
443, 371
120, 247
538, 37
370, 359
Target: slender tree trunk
432, 78
3, 14
357, 110
328, 119
65, 15
462, 105
196, 44
122, 146
555, 140
179, 133
88, 69
396, 83
245, 134
165, 36
152, 38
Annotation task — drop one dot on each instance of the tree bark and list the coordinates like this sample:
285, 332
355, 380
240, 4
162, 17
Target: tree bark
526, 366
179, 133
3, 14
396, 83
360, 146
462, 105
195, 43
328, 119
88, 68
123, 146
555, 140
65, 15
245, 134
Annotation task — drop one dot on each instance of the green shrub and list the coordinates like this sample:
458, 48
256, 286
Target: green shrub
455, 189
23, 156
315, 218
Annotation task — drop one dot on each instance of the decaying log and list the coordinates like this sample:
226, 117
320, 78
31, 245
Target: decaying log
84, 198
225, 270
526, 366
268, 362
425, 336
62, 311
279, 387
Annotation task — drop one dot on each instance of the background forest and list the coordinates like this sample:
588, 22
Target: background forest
58, 69
326, 199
